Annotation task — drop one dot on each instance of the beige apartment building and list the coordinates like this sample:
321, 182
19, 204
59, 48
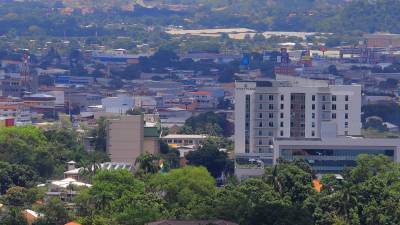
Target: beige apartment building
127, 138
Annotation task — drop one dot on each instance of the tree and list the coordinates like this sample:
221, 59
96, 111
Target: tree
208, 123
147, 163
55, 212
333, 70
15, 175
375, 123
117, 197
13, 216
291, 179
164, 147
255, 202
100, 134
16, 197
138, 209
363, 196
210, 157
131, 72
188, 192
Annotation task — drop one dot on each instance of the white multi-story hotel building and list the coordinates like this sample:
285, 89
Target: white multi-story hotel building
294, 110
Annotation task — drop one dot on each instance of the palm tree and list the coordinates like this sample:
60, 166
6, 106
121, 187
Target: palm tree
273, 179
90, 166
148, 163
347, 199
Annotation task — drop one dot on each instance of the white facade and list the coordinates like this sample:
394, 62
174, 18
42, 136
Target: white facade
181, 140
296, 118
267, 110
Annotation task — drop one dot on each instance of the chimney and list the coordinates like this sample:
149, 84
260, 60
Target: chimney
71, 165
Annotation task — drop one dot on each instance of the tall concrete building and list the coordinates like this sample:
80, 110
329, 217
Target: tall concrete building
125, 138
274, 117
128, 138
266, 110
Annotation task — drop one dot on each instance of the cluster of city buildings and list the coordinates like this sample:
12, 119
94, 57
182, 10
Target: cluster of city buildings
311, 110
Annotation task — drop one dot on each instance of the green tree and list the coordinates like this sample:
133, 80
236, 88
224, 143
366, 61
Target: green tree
55, 212
100, 134
147, 163
15, 175
208, 123
210, 157
13, 216
16, 197
188, 192
117, 197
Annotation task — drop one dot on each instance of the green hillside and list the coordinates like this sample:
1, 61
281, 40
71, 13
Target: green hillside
339, 16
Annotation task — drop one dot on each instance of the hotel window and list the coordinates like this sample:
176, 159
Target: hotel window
333, 115
260, 142
271, 115
270, 142
260, 124
271, 97
313, 106
292, 97
281, 133
271, 124
270, 133
346, 116
334, 98
312, 124
291, 106
260, 97
302, 107
271, 106
260, 115
323, 98
346, 98
282, 124
346, 124
333, 106
323, 107
282, 97
281, 106
313, 133
346, 107
260, 106
260, 133
282, 115
302, 116
313, 115
313, 97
